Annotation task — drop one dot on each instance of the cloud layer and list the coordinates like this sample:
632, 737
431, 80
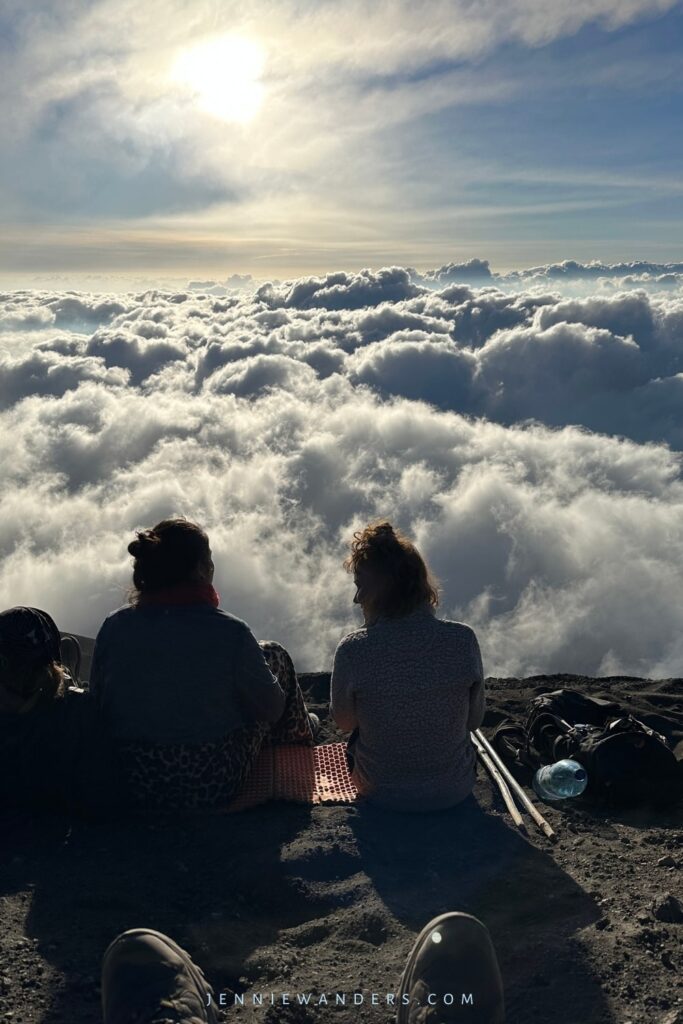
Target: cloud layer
524, 428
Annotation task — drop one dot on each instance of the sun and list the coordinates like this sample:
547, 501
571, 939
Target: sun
223, 74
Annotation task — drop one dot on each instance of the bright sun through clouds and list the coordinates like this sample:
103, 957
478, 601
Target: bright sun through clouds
224, 75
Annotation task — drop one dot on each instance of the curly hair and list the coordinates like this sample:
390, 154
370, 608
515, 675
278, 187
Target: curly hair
401, 579
167, 555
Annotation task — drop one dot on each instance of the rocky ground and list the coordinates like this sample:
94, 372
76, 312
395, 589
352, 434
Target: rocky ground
325, 900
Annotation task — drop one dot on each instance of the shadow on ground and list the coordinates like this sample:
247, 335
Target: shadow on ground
214, 883
466, 859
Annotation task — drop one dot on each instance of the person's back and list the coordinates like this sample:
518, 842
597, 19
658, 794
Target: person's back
52, 754
411, 688
186, 692
184, 673
53, 759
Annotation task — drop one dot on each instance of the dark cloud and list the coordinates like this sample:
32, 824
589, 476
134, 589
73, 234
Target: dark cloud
52, 373
118, 347
564, 374
418, 366
567, 275
342, 290
257, 374
73, 311
570, 269
476, 271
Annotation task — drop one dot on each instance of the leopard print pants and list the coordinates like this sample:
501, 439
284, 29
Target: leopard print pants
191, 776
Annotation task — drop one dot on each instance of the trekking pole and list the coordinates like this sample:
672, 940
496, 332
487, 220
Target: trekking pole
500, 782
516, 788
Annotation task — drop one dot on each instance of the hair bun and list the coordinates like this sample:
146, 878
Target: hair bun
146, 540
382, 536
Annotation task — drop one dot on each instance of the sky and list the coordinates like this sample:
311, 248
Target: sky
160, 141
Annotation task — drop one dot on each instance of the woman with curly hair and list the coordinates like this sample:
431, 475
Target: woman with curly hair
409, 686
187, 693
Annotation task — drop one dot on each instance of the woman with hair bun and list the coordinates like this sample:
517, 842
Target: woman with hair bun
185, 690
408, 686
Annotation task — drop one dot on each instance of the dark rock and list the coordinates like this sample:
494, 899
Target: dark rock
668, 908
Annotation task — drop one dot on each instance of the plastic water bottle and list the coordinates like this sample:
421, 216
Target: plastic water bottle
560, 780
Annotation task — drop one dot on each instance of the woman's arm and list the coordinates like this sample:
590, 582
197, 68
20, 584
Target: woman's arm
342, 696
259, 691
477, 691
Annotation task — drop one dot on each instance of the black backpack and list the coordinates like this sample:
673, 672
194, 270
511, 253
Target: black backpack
627, 762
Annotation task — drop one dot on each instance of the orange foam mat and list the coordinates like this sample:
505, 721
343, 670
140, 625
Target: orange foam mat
333, 783
305, 775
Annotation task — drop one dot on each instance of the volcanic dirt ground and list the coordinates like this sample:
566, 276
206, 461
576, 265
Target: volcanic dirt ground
292, 899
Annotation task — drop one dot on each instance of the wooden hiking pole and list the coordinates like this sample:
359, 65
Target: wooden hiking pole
500, 782
515, 786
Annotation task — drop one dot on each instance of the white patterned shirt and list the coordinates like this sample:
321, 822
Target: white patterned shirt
414, 689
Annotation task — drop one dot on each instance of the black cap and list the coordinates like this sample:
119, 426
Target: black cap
29, 633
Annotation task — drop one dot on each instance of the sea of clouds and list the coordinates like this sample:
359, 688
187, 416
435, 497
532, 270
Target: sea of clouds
525, 429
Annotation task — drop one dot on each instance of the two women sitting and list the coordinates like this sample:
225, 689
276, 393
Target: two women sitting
188, 696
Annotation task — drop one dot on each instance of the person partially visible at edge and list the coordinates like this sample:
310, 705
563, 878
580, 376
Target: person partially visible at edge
408, 685
185, 690
52, 754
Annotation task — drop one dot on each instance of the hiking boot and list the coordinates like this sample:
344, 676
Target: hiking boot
148, 979
452, 974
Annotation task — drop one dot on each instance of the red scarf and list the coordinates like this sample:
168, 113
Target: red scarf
184, 593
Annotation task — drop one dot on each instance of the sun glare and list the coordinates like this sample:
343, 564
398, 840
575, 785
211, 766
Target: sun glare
223, 74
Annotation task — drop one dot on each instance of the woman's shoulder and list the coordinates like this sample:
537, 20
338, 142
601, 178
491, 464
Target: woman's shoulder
456, 630
353, 642
112, 619
137, 613
120, 612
